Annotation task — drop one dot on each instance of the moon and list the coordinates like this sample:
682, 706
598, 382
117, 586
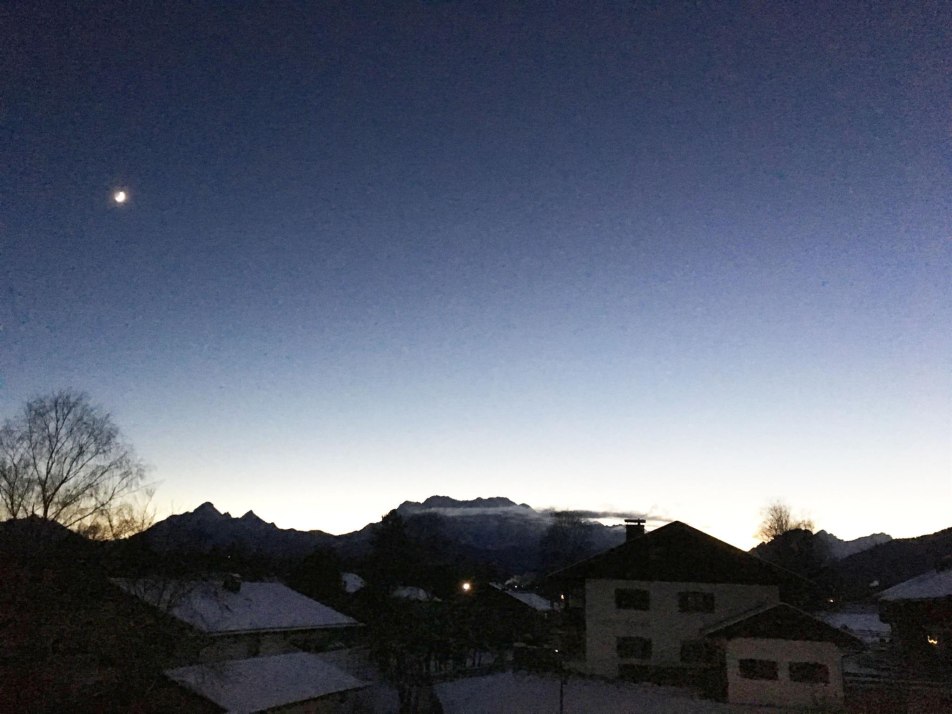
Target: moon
120, 197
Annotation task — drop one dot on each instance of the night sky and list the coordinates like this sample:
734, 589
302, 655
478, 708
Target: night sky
675, 259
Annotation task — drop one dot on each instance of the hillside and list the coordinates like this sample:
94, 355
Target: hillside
887, 564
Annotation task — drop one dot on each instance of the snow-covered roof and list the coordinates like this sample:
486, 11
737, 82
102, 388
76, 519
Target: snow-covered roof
352, 582
781, 621
533, 600
411, 592
928, 586
259, 683
212, 608
865, 625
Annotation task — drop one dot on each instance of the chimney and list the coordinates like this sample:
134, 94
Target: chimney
634, 528
232, 582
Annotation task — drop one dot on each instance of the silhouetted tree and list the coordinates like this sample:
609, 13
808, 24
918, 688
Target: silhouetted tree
797, 550
63, 459
391, 560
567, 540
778, 519
318, 576
74, 641
123, 520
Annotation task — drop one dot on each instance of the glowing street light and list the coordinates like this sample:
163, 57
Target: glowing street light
466, 586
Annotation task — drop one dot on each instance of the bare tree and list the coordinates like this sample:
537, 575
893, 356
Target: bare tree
123, 520
63, 459
567, 540
778, 519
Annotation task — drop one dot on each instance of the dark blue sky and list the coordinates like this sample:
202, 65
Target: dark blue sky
677, 258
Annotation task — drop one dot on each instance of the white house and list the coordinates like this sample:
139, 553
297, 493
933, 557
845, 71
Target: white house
649, 610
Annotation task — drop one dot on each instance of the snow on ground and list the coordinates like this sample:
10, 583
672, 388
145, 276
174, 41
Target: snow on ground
535, 694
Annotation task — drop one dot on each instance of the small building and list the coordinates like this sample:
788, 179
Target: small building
298, 683
246, 619
919, 611
782, 656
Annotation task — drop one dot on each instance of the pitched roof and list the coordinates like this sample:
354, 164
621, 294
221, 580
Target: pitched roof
781, 622
211, 608
934, 585
260, 683
533, 600
677, 552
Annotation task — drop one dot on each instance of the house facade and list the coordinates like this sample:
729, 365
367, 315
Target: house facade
631, 623
642, 607
782, 656
655, 609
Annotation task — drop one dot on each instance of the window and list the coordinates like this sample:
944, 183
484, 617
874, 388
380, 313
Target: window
633, 647
809, 672
758, 669
697, 651
696, 602
630, 599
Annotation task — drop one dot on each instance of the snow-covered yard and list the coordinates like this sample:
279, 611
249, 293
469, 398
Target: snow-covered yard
531, 694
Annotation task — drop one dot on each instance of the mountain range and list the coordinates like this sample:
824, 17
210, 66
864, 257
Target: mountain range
837, 549
496, 530
206, 529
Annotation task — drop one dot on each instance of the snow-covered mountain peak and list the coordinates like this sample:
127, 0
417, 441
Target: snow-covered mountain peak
839, 549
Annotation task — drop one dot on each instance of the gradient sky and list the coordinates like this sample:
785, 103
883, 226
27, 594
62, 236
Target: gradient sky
669, 258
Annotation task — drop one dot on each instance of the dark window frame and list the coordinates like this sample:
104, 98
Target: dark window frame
632, 599
696, 601
809, 672
697, 652
633, 647
765, 669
